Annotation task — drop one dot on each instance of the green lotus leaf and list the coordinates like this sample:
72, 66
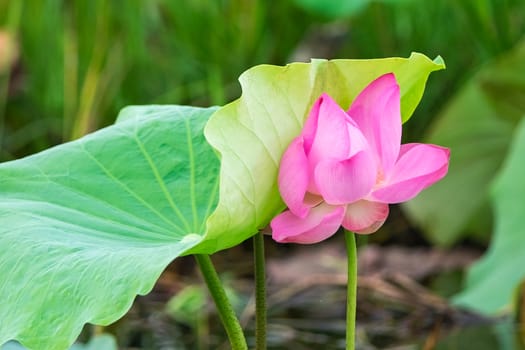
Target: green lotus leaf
491, 282
252, 133
88, 225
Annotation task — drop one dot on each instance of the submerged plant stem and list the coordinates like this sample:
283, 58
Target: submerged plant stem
260, 292
226, 312
351, 294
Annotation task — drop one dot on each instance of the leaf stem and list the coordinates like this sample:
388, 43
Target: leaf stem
226, 312
260, 292
351, 294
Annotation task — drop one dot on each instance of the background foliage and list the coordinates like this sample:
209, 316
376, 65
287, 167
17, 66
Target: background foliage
81, 61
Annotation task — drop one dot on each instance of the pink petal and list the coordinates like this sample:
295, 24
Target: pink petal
310, 124
321, 223
294, 178
329, 133
376, 110
419, 166
329, 137
342, 182
365, 217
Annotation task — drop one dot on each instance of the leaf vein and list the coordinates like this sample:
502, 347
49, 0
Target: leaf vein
132, 193
162, 184
192, 175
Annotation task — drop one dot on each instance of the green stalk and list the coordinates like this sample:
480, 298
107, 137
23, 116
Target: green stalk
260, 292
351, 294
226, 312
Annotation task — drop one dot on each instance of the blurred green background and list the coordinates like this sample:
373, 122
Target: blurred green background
77, 62
68, 66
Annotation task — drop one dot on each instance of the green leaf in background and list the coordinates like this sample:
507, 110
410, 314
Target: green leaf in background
252, 132
99, 342
491, 281
88, 225
188, 305
332, 9
478, 126
490, 336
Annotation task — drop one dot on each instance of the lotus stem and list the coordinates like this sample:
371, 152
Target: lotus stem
351, 293
260, 292
226, 313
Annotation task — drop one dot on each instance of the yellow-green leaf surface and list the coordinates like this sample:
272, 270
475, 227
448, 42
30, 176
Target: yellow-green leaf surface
252, 132
88, 225
491, 282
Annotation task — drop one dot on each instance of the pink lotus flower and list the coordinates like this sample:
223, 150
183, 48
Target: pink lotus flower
346, 167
